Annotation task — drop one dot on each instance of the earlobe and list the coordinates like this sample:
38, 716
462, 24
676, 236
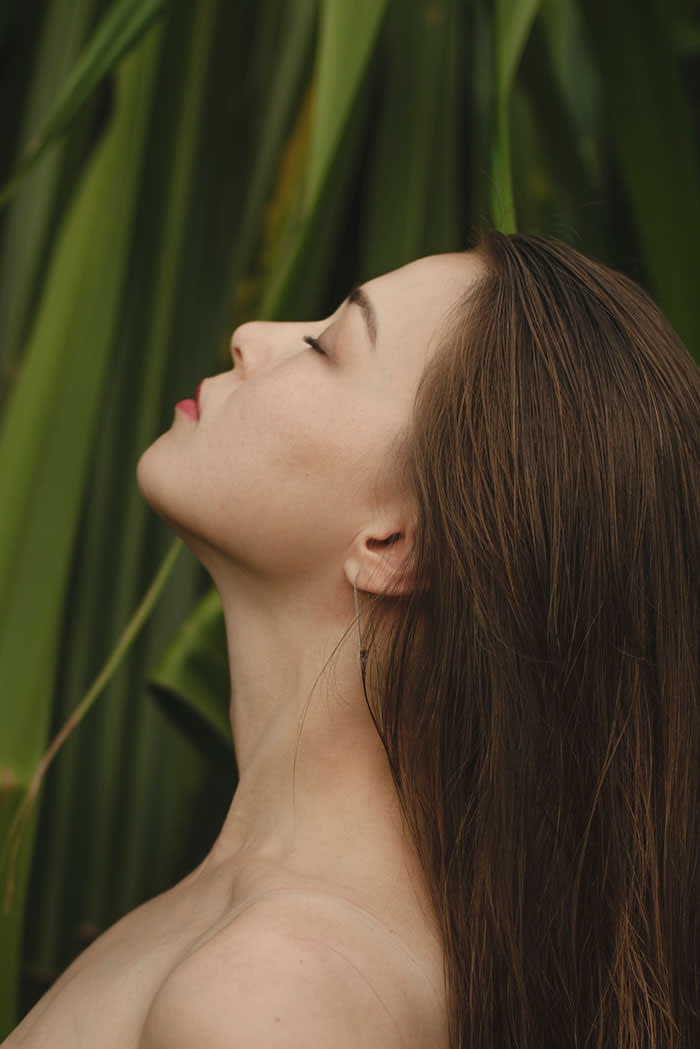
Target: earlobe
381, 563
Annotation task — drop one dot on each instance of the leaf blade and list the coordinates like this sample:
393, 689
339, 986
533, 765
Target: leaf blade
513, 21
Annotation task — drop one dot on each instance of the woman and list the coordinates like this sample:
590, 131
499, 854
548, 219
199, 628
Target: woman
454, 530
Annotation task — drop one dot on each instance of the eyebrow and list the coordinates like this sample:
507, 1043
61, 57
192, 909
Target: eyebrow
360, 298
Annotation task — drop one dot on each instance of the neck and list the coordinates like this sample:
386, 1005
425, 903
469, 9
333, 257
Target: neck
314, 781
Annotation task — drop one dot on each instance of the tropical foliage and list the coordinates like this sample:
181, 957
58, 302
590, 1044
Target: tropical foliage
171, 168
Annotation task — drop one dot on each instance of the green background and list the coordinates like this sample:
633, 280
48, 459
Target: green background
170, 169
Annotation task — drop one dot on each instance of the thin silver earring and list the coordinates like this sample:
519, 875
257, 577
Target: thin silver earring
378, 723
363, 651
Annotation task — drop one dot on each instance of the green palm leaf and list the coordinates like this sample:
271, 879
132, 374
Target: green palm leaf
120, 29
45, 445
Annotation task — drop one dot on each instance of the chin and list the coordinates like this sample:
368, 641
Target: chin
154, 476
161, 485
149, 476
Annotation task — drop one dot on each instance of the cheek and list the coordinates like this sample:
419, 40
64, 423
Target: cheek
288, 429
275, 479
324, 443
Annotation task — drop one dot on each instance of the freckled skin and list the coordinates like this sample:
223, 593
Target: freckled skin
309, 922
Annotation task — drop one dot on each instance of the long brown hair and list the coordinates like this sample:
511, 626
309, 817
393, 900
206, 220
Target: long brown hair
539, 693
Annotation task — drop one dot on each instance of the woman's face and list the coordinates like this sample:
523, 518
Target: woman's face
289, 457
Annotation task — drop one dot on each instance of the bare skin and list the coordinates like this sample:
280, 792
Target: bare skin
309, 923
221, 929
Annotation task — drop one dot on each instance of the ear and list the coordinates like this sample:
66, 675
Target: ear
379, 561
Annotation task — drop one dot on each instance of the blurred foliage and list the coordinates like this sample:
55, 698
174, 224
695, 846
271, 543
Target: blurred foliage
171, 170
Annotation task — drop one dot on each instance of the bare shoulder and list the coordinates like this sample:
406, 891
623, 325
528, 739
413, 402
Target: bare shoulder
298, 969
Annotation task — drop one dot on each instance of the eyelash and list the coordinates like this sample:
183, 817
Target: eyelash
315, 344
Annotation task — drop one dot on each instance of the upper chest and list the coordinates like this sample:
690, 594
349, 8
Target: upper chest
393, 958
104, 999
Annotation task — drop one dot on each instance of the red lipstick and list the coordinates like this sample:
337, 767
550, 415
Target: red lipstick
188, 407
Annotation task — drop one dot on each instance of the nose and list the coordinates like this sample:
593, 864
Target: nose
247, 348
256, 344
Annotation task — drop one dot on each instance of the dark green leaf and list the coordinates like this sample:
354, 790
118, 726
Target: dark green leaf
120, 29
652, 136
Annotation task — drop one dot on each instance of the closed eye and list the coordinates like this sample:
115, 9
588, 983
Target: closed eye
315, 344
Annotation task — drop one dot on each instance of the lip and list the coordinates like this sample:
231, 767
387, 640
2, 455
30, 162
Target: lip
188, 407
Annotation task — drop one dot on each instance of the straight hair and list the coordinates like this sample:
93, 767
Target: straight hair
538, 694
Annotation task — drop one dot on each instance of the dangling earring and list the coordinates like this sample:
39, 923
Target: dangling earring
363, 651
378, 723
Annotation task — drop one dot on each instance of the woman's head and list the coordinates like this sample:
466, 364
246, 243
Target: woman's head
288, 469
538, 691
540, 694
